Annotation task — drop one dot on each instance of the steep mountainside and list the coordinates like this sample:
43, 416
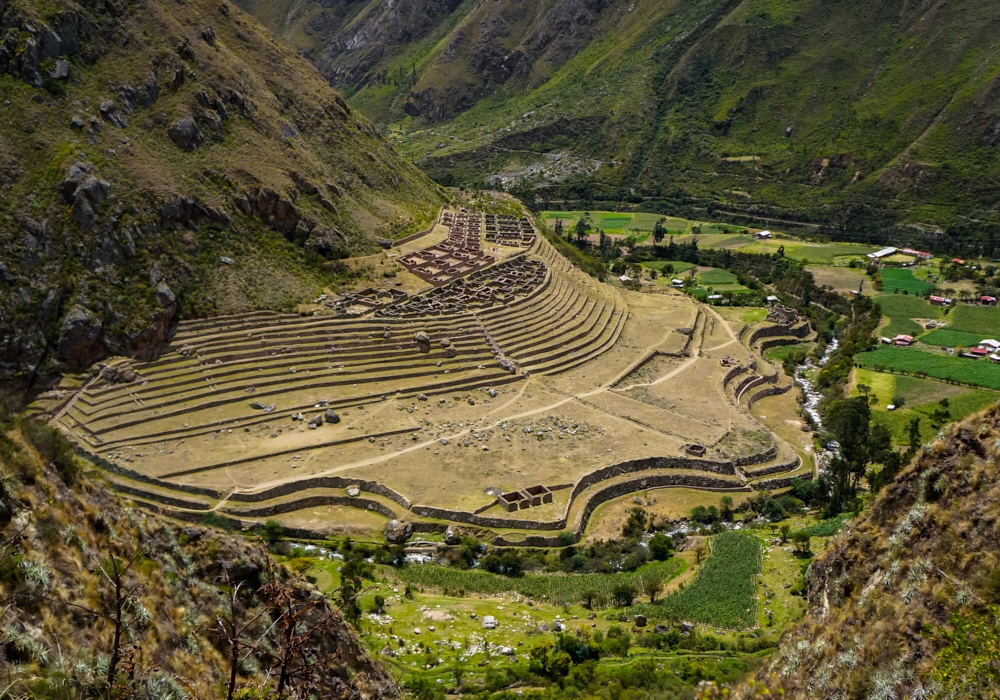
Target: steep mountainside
166, 160
907, 602
858, 114
100, 600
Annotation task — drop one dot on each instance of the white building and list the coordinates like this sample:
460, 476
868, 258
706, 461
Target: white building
879, 254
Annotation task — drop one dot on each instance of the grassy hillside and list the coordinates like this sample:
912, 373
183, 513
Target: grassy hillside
905, 602
173, 160
853, 114
76, 564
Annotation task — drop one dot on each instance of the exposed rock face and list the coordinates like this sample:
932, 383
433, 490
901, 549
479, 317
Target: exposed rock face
85, 192
80, 341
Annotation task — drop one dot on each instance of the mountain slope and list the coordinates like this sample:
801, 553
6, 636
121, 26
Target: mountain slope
142, 143
63, 534
857, 114
906, 603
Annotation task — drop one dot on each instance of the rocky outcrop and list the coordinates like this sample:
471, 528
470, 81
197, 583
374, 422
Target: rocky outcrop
85, 192
185, 134
80, 340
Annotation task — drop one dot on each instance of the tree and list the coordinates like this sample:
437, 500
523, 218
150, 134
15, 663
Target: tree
652, 588
726, 509
559, 228
802, 540
785, 529
661, 547
913, 431
623, 595
659, 230
850, 422
589, 596
635, 525
582, 224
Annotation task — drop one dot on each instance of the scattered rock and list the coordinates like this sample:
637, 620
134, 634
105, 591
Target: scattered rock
639, 620
493, 393
451, 536
397, 531
257, 405
422, 337
76, 124
185, 134
421, 397
226, 261
208, 35
270, 408
354, 491
315, 422
61, 70
661, 629
332, 416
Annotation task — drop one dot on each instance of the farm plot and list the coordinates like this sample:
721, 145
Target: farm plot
976, 319
816, 253
912, 361
901, 310
559, 589
723, 593
952, 339
716, 277
898, 279
674, 267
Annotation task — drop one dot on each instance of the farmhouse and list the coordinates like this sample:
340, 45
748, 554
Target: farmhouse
990, 344
762, 235
979, 352
677, 283
988, 301
994, 358
885, 341
939, 301
903, 340
879, 254
916, 253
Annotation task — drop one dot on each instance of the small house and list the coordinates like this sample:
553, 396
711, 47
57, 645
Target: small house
885, 341
979, 352
968, 356
762, 235
990, 344
916, 253
903, 340
677, 283
988, 301
714, 297
489, 622
939, 301
994, 358
771, 299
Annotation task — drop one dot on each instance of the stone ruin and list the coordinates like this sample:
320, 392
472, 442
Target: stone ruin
782, 315
493, 286
365, 301
509, 230
457, 256
525, 498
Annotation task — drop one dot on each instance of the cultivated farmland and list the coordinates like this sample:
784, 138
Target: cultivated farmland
723, 593
897, 280
948, 367
983, 320
558, 589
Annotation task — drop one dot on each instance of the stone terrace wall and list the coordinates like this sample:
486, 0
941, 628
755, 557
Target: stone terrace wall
321, 482
799, 331
312, 502
770, 391
758, 458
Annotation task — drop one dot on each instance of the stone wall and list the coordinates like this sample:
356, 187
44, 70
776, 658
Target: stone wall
770, 391
790, 465
758, 458
312, 502
799, 331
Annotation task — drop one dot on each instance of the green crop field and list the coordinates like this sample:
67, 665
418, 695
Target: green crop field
724, 591
715, 276
976, 319
901, 309
898, 279
978, 372
558, 589
952, 339
960, 404
677, 265
819, 253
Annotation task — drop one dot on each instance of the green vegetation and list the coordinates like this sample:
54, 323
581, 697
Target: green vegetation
828, 527
913, 361
901, 310
814, 253
553, 588
901, 279
952, 339
933, 414
976, 319
723, 593
716, 277
661, 266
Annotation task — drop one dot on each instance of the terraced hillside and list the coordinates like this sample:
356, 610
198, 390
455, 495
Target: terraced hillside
515, 399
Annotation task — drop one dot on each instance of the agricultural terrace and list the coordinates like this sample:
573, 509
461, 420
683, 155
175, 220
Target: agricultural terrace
507, 392
899, 280
937, 366
906, 314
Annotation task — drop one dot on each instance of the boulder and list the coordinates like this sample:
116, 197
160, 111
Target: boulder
332, 416
316, 422
450, 351
639, 620
397, 531
661, 629
257, 405
506, 365
445, 342
353, 490
493, 393
208, 35
61, 70
451, 536
185, 134
421, 397
422, 337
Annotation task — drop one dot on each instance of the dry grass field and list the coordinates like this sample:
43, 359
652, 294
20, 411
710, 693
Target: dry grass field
525, 373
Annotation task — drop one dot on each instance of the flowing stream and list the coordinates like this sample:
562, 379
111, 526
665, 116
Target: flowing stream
812, 397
